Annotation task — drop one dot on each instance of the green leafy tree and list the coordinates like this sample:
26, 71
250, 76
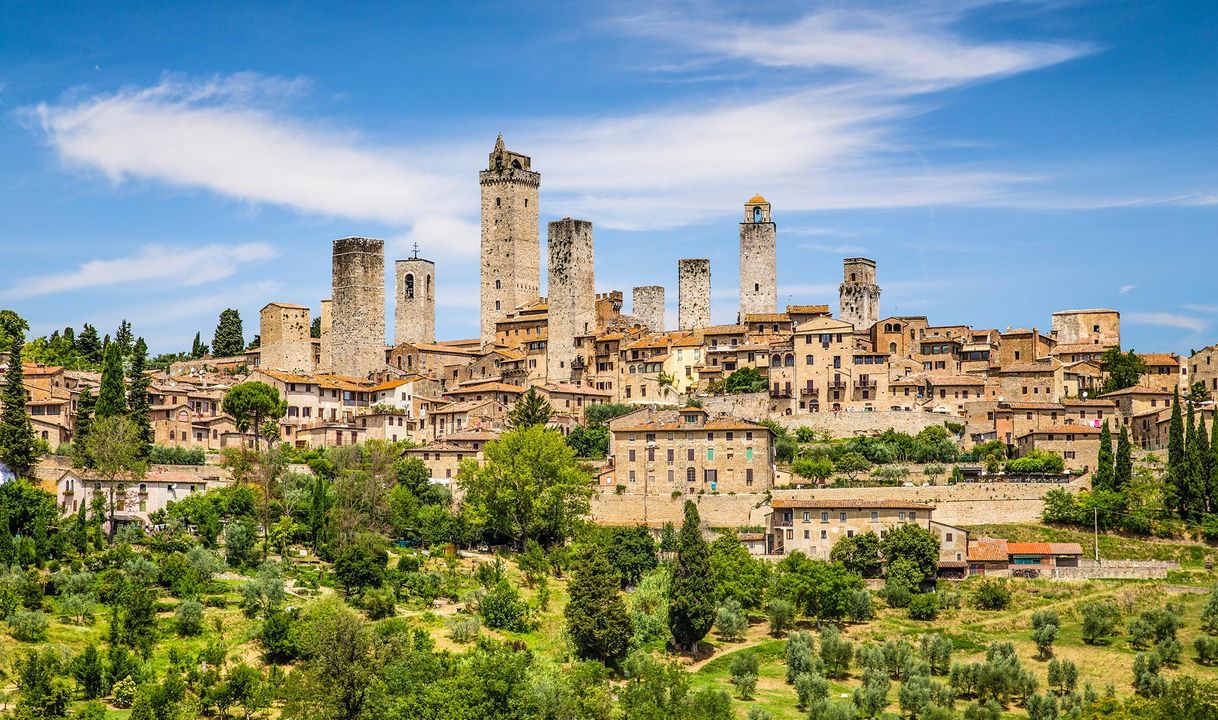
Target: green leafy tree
590, 441
85, 407
731, 621
851, 464
19, 449
817, 468
915, 543
745, 380
691, 599
1121, 370
530, 487
250, 403
781, 614
362, 565
859, 554
631, 551
89, 345
200, 348
818, 589
112, 449
112, 395
836, 652
229, 339
597, 618
737, 575
744, 669
1099, 620
138, 400
1123, 467
1102, 479
530, 409
89, 672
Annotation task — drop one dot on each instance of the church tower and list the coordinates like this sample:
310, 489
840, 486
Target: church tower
758, 259
859, 295
414, 304
511, 246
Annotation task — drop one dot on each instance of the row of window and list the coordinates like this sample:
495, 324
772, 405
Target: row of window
691, 475
689, 455
710, 435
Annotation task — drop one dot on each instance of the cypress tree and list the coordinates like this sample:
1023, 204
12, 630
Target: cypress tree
1102, 479
85, 407
123, 337
691, 604
597, 618
229, 339
529, 409
89, 345
1212, 483
1123, 471
18, 446
137, 398
1193, 468
112, 396
1176, 480
1205, 462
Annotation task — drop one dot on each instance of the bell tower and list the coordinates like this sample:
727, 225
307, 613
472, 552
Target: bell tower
758, 259
511, 245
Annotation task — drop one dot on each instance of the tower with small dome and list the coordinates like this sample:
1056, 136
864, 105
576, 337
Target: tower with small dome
758, 259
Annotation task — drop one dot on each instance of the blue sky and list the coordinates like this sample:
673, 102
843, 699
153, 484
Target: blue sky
999, 160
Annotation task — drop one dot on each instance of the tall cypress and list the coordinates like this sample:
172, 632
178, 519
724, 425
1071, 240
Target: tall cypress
137, 398
18, 446
691, 604
1123, 471
1204, 467
1176, 478
229, 339
1102, 479
1212, 483
1193, 467
112, 396
86, 405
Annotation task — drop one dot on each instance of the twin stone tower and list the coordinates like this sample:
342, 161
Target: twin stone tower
353, 320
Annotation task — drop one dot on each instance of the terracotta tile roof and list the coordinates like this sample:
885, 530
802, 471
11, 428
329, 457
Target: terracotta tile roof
751, 536
472, 435
1029, 405
486, 387
1027, 368
956, 380
1088, 402
448, 349
1064, 429
985, 549
575, 389
1160, 358
1029, 548
284, 305
1138, 390
724, 330
1066, 548
459, 407
767, 317
845, 503
806, 309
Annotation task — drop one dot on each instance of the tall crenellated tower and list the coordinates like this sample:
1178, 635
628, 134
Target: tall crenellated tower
414, 300
693, 293
511, 246
357, 332
859, 295
570, 294
647, 306
758, 259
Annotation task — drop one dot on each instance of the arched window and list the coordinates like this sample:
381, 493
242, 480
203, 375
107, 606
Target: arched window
409, 286
776, 361
516, 164
498, 284
892, 348
790, 360
690, 476
498, 305
757, 214
807, 359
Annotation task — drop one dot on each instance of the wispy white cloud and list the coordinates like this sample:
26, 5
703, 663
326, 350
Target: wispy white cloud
834, 249
1167, 319
1208, 309
1124, 290
912, 43
184, 266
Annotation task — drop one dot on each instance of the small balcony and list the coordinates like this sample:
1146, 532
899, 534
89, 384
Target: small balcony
836, 384
809, 392
784, 523
864, 384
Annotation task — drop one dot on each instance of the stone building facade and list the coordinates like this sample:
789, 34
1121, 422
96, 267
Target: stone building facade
286, 344
414, 302
1099, 326
571, 295
694, 292
647, 306
357, 332
326, 355
511, 245
859, 295
758, 259
814, 525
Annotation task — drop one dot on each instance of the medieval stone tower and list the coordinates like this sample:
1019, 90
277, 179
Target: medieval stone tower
859, 296
570, 294
758, 259
286, 345
414, 300
511, 246
693, 293
357, 331
647, 306
325, 355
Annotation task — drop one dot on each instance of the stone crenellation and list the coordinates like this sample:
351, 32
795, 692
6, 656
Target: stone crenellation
570, 294
859, 294
647, 306
758, 259
414, 301
511, 245
357, 333
693, 293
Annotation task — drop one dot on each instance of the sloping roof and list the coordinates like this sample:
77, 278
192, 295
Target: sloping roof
806, 309
1089, 402
1029, 548
1137, 390
956, 380
985, 549
758, 199
1159, 358
724, 330
490, 386
1064, 429
576, 389
766, 317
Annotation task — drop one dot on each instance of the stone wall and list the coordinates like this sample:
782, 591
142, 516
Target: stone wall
414, 302
838, 425
961, 504
647, 306
326, 354
511, 244
357, 337
1115, 570
285, 341
693, 293
1076, 327
859, 295
758, 261
570, 292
